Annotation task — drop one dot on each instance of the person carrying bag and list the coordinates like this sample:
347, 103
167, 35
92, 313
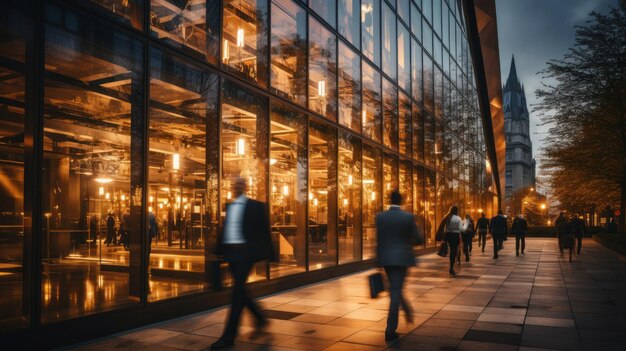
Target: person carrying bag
451, 226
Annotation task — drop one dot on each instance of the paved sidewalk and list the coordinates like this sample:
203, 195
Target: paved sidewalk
536, 301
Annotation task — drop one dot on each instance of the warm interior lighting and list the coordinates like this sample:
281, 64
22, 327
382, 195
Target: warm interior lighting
345, 202
321, 88
151, 198
226, 52
104, 180
176, 161
123, 197
160, 205
229, 195
314, 202
149, 208
364, 116
543, 206
480, 210
310, 196
368, 181
373, 195
273, 188
101, 191
240, 147
272, 161
107, 196
240, 37
349, 179
286, 190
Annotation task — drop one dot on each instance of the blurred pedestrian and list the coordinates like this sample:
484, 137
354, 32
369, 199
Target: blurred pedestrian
565, 234
397, 234
452, 226
498, 229
482, 227
468, 236
580, 230
111, 237
519, 229
245, 241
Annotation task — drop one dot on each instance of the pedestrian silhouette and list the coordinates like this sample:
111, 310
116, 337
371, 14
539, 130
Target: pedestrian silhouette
452, 226
519, 229
498, 229
482, 227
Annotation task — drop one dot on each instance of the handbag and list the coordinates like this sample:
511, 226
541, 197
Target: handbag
376, 284
443, 249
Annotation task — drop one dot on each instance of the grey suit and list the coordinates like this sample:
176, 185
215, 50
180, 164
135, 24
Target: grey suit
397, 233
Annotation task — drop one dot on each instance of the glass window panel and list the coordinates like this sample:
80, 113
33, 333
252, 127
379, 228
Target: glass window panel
288, 69
245, 39
404, 10
416, 71
418, 133
390, 115
370, 30
288, 189
419, 203
92, 97
438, 93
404, 58
427, 9
326, 9
390, 178
244, 149
372, 103
438, 150
427, 38
182, 98
15, 36
192, 27
430, 198
404, 125
428, 83
322, 70
437, 55
349, 88
128, 12
372, 197
406, 185
436, 22
349, 21
390, 54
349, 198
322, 195
416, 22
429, 140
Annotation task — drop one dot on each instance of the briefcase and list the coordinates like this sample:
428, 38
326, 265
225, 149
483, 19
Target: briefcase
376, 284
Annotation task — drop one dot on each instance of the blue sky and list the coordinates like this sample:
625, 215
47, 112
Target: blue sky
537, 31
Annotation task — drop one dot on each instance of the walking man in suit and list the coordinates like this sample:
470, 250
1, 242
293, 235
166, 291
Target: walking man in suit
482, 226
245, 241
498, 229
397, 233
519, 228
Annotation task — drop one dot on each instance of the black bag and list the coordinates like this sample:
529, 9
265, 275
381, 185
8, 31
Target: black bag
376, 284
443, 249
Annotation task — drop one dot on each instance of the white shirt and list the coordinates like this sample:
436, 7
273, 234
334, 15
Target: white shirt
233, 228
456, 225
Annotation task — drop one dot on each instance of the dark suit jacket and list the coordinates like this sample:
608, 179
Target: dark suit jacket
397, 233
519, 226
256, 233
498, 226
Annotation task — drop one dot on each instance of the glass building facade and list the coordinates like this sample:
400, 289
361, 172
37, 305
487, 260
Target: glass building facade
124, 122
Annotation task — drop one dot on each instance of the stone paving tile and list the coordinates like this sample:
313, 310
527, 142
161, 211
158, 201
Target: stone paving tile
537, 301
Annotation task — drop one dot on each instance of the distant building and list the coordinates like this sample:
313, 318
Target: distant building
520, 164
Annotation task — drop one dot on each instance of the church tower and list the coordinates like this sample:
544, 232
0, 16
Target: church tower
520, 164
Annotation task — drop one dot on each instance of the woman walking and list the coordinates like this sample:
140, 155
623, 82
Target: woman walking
452, 226
467, 236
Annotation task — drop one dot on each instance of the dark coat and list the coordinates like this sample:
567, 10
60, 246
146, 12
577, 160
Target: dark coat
498, 226
482, 225
519, 227
579, 227
397, 233
153, 226
256, 233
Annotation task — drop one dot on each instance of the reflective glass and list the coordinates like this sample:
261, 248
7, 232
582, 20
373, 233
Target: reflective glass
182, 98
125, 11
322, 70
418, 133
372, 197
326, 9
245, 39
430, 199
390, 178
288, 189
349, 73
349, 189
390, 115
190, 26
390, 53
93, 98
404, 58
288, 69
429, 77
429, 140
370, 30
15, 37
406, 185
405, 125
349, 21
322, 195
416, 22
404, 10
372, 103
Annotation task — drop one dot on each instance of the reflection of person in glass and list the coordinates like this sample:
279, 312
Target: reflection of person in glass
246, 240
111, 237
153, 229
397, 233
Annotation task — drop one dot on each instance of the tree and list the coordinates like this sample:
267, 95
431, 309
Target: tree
585, 107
